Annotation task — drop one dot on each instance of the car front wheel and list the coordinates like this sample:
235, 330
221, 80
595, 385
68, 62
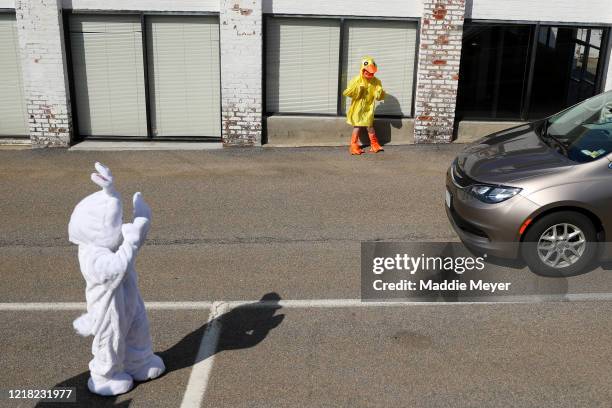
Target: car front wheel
560, 244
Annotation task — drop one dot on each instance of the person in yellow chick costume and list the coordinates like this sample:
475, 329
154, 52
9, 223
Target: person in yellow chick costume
364, 90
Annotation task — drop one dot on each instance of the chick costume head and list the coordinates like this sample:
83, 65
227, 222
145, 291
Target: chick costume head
368, 67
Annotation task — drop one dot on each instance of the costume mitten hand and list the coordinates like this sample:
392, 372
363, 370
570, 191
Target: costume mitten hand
141, 208
135, 233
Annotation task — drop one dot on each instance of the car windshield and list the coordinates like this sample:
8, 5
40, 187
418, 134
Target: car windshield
583, 132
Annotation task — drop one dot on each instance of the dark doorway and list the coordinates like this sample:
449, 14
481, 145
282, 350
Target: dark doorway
493, 70
527, 71
566, 68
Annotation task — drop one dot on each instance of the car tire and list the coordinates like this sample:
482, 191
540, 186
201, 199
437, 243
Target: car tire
551, 225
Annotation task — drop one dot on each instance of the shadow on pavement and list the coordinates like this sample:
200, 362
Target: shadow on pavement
242, 327
384, 127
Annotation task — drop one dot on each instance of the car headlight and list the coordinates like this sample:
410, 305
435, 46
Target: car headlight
493, 194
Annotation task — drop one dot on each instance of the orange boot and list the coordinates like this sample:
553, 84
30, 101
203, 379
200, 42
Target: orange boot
355, 148
375, 147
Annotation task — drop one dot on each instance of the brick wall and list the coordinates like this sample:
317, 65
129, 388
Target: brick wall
145, 5
241, 72
40, 32
572, 11
41, 46
438, 70
386, 8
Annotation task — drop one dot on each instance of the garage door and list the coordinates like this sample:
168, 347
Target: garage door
183, 53
179, 97
393, 45
12, 101
108, 74
298, 50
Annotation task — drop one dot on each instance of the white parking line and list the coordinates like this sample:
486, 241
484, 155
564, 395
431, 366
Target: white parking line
200, 373
59, 306
322, 303
488, 300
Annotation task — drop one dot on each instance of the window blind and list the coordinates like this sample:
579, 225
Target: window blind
108, 72
302, 57
12, 102
392, 44
184, 75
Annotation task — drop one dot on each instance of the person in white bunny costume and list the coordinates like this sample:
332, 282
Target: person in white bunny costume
116, 315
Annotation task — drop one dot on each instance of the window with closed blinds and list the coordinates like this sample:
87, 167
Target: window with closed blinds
392, 44
107, 59
302, 57
184, 77
12, 101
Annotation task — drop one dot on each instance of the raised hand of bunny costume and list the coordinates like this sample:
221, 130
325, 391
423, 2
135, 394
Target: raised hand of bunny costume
136, 232
115, 316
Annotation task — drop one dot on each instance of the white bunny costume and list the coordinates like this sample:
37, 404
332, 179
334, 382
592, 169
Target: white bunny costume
115, 316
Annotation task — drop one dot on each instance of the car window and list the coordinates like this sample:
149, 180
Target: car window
583, 132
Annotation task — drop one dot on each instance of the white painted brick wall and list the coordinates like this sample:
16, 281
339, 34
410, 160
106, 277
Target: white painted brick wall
41, 46
143, 5
241, 72
45, 74
438, 70
382, 8
589, 11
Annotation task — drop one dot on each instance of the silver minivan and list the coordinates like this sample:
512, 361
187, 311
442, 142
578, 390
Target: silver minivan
541, 191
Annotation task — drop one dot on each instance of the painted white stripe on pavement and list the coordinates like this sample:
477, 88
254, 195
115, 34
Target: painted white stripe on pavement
42, 306
58, 306
490, 300
200, 373
324, 303
178, 305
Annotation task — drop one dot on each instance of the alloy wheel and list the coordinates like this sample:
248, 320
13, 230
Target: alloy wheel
561, 245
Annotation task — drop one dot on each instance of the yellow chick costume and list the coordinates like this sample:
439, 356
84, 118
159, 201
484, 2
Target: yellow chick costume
364, 92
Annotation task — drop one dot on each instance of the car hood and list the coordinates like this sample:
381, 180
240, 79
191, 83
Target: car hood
511, 155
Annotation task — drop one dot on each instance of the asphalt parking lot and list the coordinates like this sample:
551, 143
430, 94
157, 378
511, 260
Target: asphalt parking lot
233, 227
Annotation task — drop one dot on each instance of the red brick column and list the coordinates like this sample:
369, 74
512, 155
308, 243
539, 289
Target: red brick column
438, 70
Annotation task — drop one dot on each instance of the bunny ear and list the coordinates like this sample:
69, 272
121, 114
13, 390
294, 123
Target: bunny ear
103, 178
103, 170
99, 180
